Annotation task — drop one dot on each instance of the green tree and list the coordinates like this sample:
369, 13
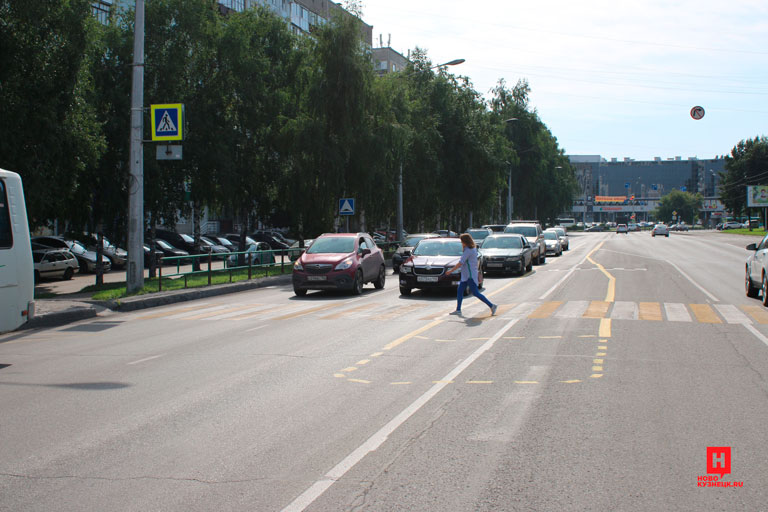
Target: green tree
685, 204
746, 165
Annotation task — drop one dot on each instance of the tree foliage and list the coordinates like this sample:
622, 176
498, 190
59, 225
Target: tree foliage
746, 165
686, 205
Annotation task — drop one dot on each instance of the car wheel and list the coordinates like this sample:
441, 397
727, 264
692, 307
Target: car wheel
357, 285
68, 274
299, 292
379, 283
405, 291
530, 265
752, 292
543, 259
765, 290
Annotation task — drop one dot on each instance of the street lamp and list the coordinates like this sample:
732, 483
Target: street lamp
399, 233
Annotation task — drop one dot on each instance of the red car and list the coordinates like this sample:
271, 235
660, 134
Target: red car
339, 261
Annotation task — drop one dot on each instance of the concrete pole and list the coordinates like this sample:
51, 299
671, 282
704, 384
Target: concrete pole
400, 205
135, 268
509, 197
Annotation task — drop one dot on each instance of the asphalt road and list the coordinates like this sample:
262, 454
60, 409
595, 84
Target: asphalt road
599, 386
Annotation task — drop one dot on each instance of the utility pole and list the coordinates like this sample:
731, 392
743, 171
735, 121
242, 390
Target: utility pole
135, 268
400, 204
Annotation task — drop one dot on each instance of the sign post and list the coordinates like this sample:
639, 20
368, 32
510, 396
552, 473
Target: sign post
347, 208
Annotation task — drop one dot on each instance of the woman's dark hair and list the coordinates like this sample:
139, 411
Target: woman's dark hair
467, 240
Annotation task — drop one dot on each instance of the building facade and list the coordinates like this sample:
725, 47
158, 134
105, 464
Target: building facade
386, 60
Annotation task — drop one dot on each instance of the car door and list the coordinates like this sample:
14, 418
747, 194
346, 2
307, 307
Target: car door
760, 261
364, 260
49, 265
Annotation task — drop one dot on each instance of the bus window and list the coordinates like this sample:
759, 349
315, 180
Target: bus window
6, 234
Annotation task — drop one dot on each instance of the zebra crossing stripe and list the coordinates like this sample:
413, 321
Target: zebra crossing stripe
597, 309
758, 313
676, 312
705, 314
732, 315
573, 309
623, 310
545, 310
650, 311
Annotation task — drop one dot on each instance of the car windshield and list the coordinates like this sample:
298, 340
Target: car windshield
560, 232
550, 235
528, 231
223, 241
333, 245
478, 234
503, 242
77, 248
429, 247
413, 240
187, 238
164, 245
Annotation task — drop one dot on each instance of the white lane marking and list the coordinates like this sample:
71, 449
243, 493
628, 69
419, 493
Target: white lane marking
145, 359
524, 309
319, 487
732, 314
196, 312
623, 310
236, 313
255, 328
572, 309
751, 328
694, 283
566, 276
677, 312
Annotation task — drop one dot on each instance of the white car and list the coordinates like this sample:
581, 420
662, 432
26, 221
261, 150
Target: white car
54, 263
622, 228
661, 230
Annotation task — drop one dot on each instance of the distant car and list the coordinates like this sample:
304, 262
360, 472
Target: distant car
404, 251
506, 253
532, 231
756, 278
632, 227
552, 242
294, 251
596, 227
496, 228
679, 227
622, 228
148, 256
235, 239
117, 255
661, 230
86, 259
339, 261
446, 233
259, 254
478, 235
217, 250
178, 240
169, 250
731, 224
563, 235
430, 260
52, 263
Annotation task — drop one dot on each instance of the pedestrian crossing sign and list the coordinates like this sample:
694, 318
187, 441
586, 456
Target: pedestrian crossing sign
347, 206
168, 121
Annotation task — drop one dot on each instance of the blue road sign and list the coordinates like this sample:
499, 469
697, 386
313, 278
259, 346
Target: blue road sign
655, 186
347, 206
626, 185
167, 121
684, 189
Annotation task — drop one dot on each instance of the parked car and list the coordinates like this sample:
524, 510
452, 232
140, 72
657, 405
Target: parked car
593, 228
479, 234
235, 239
679, 227
404, 251
563, 235
169, 250
552, 242
430, 260
294, 251
259, 254
217, 250
148, 255
277, 235
622, 228
531, 230
632, 227
117, 255
756, 278
661, 230
177, 240
86, 259
446, 233
339, 261
731, 224
506, 253
273, 242
52, 263
224, 241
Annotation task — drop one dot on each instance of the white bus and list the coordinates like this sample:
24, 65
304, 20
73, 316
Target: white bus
17, 273
566, 222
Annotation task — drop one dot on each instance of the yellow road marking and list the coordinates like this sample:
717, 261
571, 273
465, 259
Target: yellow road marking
173, 312
309, 311
603, 341
341, 314
705, 314
596, 375
349, 369
545, 310
256, 313
597, 368
421, 337
479, 382
526, 382
399, 383
570, 381
600, 354
217, 312
602, 347
339, 375
444, 341
550, 337
410, 335
587, 336
650, 311
361, 381
363, 362
597, 361
377, 354
610, 295
759, 313
596, 309
493, 294
605, 328
401, 311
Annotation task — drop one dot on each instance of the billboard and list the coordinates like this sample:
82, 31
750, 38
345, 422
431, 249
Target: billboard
757, 196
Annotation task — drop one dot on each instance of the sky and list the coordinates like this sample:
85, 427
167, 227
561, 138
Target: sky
608, 77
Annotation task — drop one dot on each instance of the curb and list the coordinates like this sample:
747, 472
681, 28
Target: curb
94, 307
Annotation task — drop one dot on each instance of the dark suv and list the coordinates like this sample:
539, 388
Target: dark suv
339, 261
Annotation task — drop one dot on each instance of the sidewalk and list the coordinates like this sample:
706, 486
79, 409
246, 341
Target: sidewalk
61, 311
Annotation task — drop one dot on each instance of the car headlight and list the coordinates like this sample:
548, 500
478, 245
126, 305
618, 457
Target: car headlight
406, 269
513, 258
298, 265
344, 265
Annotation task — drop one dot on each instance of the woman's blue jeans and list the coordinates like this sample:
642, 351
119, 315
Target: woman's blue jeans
472, 288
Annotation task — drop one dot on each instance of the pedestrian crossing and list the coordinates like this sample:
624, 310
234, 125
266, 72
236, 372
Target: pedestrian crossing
536, 310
